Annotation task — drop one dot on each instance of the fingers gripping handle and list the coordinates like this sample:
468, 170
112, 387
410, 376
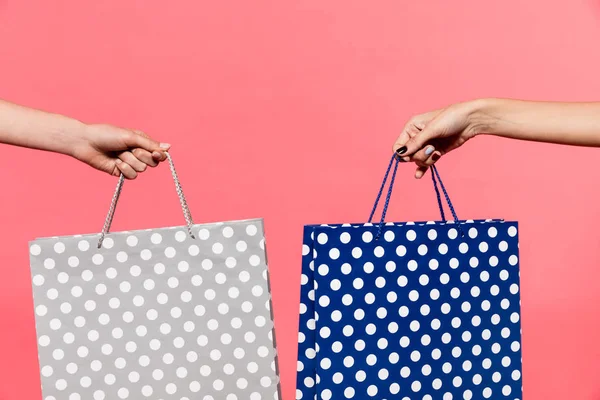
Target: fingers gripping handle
113, 204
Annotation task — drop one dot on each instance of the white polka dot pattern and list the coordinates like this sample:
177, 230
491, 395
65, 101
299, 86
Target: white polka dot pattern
156, 314
424, 311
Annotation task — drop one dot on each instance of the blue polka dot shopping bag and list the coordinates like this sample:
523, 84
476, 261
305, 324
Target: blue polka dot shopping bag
426, 310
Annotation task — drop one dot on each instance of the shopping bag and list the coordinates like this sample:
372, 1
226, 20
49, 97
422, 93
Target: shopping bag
169, 313
426, 310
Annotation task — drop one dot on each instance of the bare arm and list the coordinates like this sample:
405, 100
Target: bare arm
427, 137
107, 148
562, 123
21, 126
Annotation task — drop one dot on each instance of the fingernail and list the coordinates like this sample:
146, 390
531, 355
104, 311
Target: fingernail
165, 146
118, 161
156, 155
419, 174
436, 156
429, 150
401, 150
406, 159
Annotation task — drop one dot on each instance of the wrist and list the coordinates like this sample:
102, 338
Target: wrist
480, 116
72, 137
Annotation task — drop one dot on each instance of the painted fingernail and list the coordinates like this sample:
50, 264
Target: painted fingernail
436, 156
401, 150
165, 146
118, 161
429, 150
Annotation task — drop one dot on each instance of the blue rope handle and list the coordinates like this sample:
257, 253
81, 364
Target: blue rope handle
435, 172
435, 176
387, 198
387, 172
439, 198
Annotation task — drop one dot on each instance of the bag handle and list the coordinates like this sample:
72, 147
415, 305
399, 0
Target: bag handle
435, 177
435, 174
113, 204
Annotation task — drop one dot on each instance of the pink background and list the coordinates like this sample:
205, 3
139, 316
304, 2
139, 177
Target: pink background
288, 110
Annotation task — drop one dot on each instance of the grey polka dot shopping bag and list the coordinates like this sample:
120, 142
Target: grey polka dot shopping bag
425, 310
171, 313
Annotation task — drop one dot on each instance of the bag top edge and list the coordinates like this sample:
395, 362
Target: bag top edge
120, 233
412, 223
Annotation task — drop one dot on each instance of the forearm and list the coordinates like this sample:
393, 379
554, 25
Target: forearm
25, 127
563, 123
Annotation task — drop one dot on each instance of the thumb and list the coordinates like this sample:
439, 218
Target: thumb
139, 140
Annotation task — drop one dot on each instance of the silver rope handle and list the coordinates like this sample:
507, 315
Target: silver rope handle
113, 204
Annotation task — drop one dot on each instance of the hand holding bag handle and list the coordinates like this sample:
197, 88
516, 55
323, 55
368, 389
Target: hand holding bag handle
435, 177
113, 204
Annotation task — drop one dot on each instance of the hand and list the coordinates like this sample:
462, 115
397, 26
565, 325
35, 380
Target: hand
116, 150
427, 137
